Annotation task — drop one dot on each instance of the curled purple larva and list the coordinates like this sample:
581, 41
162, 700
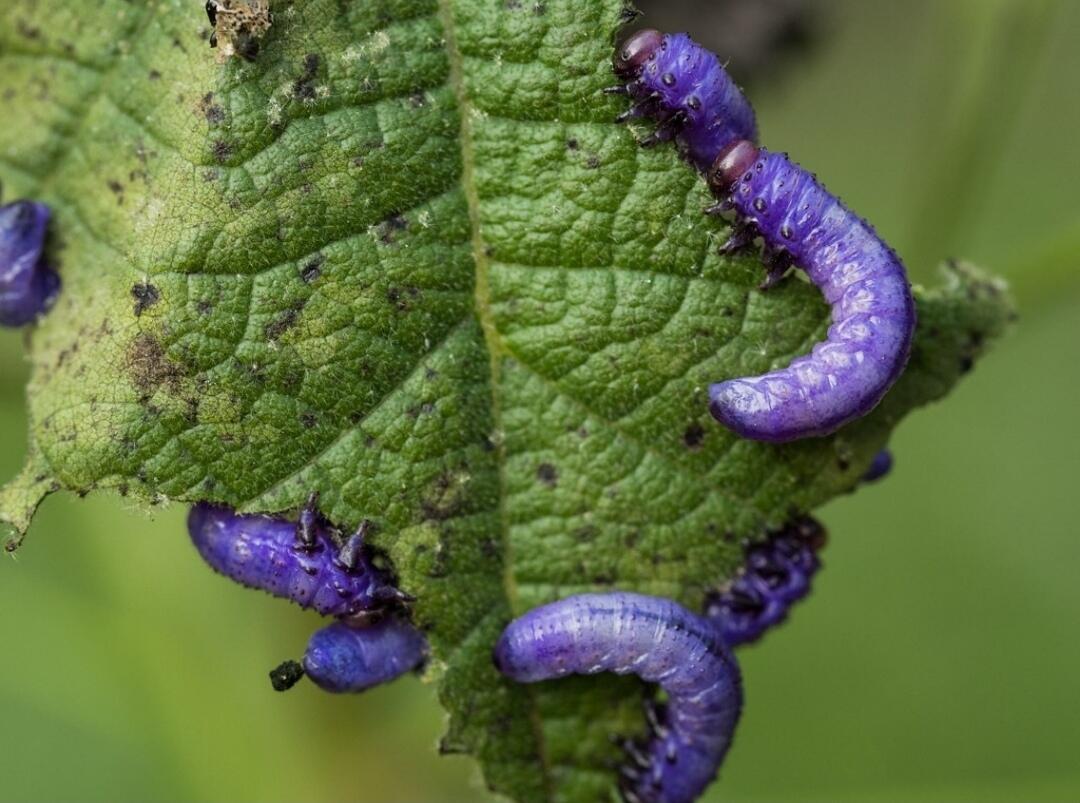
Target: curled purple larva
660, 642
28, 286
862, 279
298, 561
775, 575
342, 658
683, 86
879, 467
690, 95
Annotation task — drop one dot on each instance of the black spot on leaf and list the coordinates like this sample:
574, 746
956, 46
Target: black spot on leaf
389, 228
548, 474
694, 435
304, 87
213, 112
223, 151
145, 295
312, 269
282, 323
149, 366
402, 297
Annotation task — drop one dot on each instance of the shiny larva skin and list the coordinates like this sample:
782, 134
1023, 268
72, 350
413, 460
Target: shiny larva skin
267, 553
862, 279
686, 84
28, 286
660, 642
775, 575
341, 658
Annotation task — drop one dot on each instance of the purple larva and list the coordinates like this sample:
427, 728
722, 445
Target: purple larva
689, 93
28, 286
879, 467
685, 88
660, 642
775, 575
344, 658
298, 561
873, 313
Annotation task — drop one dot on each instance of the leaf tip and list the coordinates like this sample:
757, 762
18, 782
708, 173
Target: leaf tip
988, 299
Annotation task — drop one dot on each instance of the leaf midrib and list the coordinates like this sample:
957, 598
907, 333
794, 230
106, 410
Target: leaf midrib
492, 339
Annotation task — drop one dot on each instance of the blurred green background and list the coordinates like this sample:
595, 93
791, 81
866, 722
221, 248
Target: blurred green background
938, 657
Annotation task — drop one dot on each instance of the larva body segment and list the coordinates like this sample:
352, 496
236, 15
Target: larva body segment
298, 561
862, 279
660, 642
775, 575
686, 89
28, 286
344, 659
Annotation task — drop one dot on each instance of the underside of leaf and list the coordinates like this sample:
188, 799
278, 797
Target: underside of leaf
405, 258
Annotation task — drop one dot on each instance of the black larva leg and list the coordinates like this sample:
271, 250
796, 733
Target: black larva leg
308, 523
645, 107
665, 130
619, 89
671, 122
631, 774
390, 594
349, 556
777, 264
634, 752
629, 777
365, 618
769, 566
741, 238
746, 599
654, 716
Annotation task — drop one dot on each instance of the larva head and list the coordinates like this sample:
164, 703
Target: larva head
731, 164
810, 531
637, 50
287, 674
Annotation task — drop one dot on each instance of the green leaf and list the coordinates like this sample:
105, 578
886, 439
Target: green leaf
405, 258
